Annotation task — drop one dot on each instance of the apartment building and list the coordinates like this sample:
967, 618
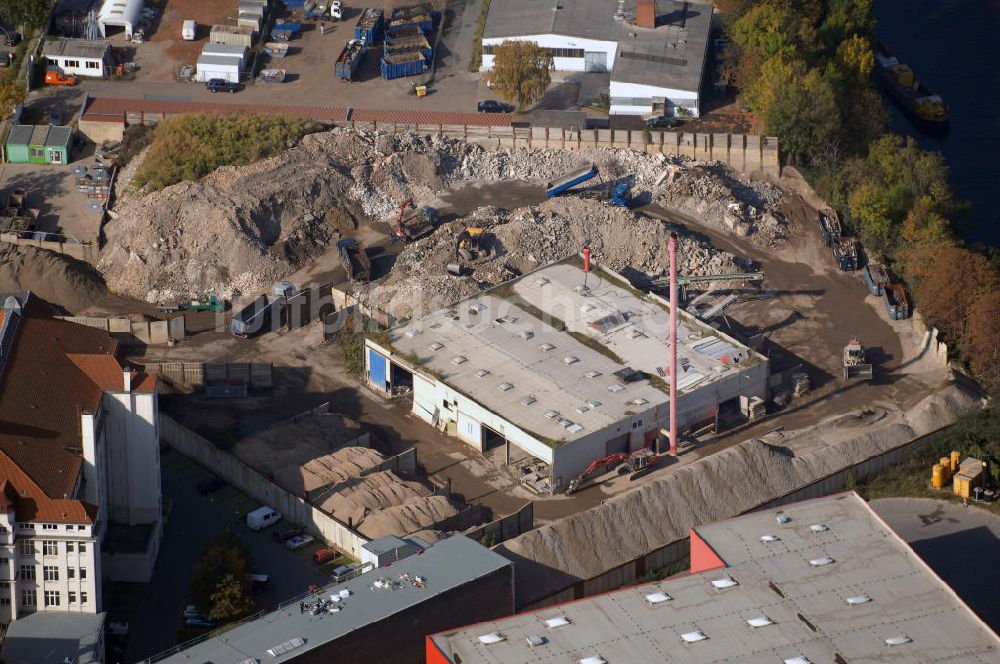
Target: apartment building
79, 462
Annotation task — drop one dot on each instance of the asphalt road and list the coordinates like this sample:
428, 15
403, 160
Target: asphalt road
194, 521
961, 544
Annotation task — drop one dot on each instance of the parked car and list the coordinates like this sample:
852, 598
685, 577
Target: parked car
336, 11
299, 542
55, 78
55, 117
262, 517
323, 556
258, 581
222, 85
188, 30
281, 535
342, 573
493, 106
118, 628
211, 485
198, 623
662, 122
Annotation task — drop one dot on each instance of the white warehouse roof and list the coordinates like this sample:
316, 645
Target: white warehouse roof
120, 13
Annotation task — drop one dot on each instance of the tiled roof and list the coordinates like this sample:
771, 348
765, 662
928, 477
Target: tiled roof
32, 504
42, 395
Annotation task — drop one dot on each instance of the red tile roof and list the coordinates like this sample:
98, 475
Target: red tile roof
32, 504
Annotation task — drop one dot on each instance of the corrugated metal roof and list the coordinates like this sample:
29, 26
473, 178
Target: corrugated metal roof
59, 136
20, 134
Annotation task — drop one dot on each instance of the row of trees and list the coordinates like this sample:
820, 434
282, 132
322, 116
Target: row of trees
805, 67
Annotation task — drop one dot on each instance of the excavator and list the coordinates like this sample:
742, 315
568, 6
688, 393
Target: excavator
468, 244
413, 226
630, 463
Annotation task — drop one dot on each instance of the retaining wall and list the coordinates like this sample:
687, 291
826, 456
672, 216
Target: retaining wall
506, 527
83, 251
154, 333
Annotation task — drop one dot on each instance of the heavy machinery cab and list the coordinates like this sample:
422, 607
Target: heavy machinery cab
415, 225
639, 460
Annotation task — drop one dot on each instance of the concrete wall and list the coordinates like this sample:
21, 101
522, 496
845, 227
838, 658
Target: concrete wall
86, 251
194, 374
506, 527
254, 484
151, 333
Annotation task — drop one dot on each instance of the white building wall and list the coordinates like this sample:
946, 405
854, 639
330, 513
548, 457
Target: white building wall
621, 91
92, 434
609, 48
56, 547
94, 68
227, 72
133, 457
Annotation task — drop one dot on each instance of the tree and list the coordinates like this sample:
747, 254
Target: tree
224, 557
26, 13
12, 92
856, 56
231, 599
845, 18
981, 345
948, 294
520, 72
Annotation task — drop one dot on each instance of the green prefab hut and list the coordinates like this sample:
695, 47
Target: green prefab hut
39, 144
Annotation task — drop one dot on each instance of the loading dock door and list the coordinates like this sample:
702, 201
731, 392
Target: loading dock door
377, 370
616, 445
470, 431
595, 61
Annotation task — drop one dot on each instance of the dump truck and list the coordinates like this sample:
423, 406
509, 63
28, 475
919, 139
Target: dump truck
355, 260
855, 361
570, 180
350, 59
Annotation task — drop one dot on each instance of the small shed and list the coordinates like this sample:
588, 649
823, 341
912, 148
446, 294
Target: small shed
241, 35
253, 21
217, 66
232, 51
79, 57
39, 144
385, 550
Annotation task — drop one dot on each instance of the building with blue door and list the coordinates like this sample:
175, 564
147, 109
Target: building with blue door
562, 372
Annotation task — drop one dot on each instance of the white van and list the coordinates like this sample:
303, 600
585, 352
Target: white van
188, 29
262, 517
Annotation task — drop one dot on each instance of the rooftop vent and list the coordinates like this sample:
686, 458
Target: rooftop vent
582, 409
564, 423
528, 400
541, 281
546, 347
725, 582
535, 640
437, 345
629, 375
476, 308
592, 374
819, 562
552, 414
558, 621
491, 638
615, 388
858, 599
504, 387
525, 334
570, 359
798, 660
459, 359
902, 639
639, 401
575, 428
762, 621
769, 538
783, 518
818, 527
287, 646
482, 373
693, 637
658, 598
595, 659
594, 403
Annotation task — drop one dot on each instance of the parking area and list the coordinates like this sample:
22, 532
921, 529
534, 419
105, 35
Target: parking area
194, 520
62, 208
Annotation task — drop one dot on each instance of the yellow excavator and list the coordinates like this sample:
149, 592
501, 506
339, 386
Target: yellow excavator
468, 244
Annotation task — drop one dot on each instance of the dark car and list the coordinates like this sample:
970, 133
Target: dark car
662, 122
222, 85
286, 533
211, 485
491, 106
55, 117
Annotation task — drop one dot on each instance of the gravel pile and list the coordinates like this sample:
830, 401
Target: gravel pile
344, 464
418, 514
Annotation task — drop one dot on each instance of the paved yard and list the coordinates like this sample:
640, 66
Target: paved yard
52, 191
961, 544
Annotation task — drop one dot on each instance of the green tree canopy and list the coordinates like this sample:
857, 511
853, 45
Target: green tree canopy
231, 599
226, 556
520, 72
12, 92
29, 14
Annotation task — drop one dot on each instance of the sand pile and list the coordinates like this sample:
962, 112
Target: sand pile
64, 282
741, 478
401, 520
354, 500
299, 441
345, 463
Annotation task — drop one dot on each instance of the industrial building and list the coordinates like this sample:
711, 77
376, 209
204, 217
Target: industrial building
655, 50
79, 465
124, 14
380, 616
824, 580
79, 57
564, 366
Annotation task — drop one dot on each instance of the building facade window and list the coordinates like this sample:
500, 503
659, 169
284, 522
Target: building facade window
51, 573
83, 573
70, 573
26, 526
37, 153
93, 65
4, 601
69, 547
49, 526
72, 597
71, 63
28, 572
28, 598
26, 547
50, 548
82, 547
83, 598
490, 49
51, 598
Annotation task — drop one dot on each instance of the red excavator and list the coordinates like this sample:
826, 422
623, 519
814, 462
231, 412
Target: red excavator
413, 226
639, 460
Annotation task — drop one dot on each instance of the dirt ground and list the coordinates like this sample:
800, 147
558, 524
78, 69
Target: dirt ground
52, 191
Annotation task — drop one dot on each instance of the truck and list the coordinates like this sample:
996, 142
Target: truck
876, 278
845, 252
570, 180
896, 303
188, 30
350, 59
313, 11
355, 260
369, 25
403, 64
262, 517
855, 361
416, 225
211, 303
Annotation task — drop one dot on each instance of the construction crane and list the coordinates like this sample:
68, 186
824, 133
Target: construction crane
634, 462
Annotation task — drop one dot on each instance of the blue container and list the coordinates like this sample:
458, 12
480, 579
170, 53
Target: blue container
349, 60
369, 26
398, 66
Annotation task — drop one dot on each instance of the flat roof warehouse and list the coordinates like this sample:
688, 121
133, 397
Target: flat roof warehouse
671, 55
832, 583
560, 362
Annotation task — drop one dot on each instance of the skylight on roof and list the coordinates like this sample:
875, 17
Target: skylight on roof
818, 527
594, 403
525, 334
552, 414
586, 308
483, 372
596, 659
564, 423
558, 621
546, 347
762, 621
437, 345
615, 388
592, 374
491, 638
536, 640
798, 660
639, 401
582, 409
819, 562
412, 332
858, 599
287, 646
528, 399
459, 359
504, 387
902, 639
570, 359
783, 518
769, 538
725, 582
574, 428
693, 637
658, 598
476, 308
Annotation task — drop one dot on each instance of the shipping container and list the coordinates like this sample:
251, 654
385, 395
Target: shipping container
423, 16
350, 59
369, 26
876, 278
896, 302
402, 31
406, 64
249, 21
235, 35
845, 252
258, 317
413, 44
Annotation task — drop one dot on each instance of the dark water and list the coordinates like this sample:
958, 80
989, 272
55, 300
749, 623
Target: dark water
954, 48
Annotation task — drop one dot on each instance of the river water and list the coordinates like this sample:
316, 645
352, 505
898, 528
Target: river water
954, 48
